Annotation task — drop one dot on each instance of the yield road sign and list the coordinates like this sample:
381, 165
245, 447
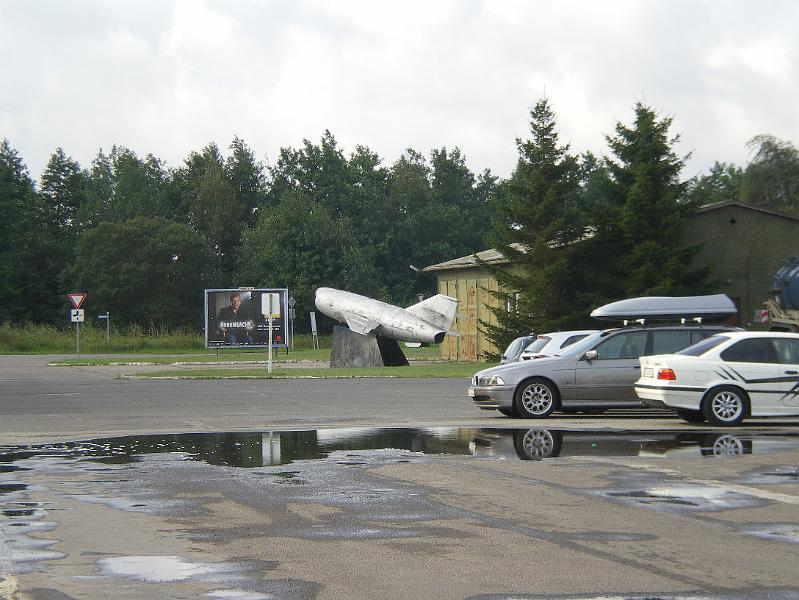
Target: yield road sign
77, 298
76, 315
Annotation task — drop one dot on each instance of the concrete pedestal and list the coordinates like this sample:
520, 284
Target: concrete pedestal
351, 349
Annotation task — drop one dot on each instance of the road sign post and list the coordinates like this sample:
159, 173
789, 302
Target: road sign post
107, 318
76, 316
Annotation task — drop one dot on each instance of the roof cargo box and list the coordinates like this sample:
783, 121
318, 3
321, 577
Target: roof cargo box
666, 307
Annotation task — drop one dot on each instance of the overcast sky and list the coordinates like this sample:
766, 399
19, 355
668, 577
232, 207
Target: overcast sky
169, 76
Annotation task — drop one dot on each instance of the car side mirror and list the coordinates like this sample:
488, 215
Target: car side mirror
591, 355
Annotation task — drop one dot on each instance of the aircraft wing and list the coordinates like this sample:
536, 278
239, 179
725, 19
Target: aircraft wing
360, 324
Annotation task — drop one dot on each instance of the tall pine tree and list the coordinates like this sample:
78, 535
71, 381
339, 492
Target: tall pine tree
649, 209
539, 222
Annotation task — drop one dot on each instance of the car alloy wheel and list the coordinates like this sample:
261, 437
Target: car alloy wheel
535, 399
725, 406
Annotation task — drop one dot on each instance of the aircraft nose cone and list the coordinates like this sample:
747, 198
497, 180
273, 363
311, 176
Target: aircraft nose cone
322, 294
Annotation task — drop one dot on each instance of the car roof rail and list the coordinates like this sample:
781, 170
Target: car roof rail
635, 323
697, 320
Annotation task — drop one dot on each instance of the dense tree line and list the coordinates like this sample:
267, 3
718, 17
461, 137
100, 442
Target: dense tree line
144, 239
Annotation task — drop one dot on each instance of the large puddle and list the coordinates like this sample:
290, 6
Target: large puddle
283, 447
330, 470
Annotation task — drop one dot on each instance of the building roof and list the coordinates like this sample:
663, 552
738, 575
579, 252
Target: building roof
492, 257
495, 257
744, 205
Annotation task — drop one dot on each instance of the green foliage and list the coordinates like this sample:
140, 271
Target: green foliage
123, 186
302, 246
651, 211
539, 227
246, 177
144, 240
144, 270
31, 338
415, 371
771, 179
64, 188
30, 255
580, 233
723, 183
392, 218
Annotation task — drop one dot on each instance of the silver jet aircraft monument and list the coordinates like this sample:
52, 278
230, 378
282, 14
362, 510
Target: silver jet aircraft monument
375, 327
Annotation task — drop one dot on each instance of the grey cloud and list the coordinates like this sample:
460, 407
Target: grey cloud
169, 77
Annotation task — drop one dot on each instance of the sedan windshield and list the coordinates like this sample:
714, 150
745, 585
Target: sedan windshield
705, 345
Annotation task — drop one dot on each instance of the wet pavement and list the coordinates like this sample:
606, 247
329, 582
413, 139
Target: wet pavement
477, 512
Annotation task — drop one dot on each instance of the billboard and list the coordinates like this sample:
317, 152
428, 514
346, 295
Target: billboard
234, 318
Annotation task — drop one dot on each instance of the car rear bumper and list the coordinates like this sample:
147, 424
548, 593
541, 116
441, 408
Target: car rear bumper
668, 397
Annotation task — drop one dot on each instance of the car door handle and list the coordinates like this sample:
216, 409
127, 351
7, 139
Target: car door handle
792, 372
636, 366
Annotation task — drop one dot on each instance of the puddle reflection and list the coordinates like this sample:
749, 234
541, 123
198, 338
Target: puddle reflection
284, 447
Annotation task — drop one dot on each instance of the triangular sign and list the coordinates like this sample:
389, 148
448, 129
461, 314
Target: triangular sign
77, 298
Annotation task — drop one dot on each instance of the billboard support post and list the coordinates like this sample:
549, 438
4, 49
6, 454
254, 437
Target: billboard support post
270, 308
269, 360
292, 302
314, 336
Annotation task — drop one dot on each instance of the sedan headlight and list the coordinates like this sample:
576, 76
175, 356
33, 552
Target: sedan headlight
492, 380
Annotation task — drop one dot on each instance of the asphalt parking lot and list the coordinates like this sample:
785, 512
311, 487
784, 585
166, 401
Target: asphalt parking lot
376, 488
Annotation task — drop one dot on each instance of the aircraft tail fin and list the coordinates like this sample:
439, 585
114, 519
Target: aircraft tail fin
438, 311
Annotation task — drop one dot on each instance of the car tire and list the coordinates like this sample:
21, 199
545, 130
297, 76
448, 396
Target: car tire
725, 405
691, 416
535, 444
508, 412
536, 398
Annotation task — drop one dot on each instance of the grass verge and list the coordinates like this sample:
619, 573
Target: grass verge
230, 356
413, 371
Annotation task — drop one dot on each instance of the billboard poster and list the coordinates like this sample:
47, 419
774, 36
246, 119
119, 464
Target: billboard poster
234, 318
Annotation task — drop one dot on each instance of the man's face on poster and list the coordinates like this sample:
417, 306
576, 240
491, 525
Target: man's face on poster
235, 302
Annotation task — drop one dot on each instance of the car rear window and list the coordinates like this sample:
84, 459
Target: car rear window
538, 344
705, 345
514, 347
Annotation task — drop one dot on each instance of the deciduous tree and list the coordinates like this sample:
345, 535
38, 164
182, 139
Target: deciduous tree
144, 270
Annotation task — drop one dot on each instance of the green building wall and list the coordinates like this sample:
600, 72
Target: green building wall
743, 246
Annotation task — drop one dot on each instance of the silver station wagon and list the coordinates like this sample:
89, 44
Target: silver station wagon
599, 371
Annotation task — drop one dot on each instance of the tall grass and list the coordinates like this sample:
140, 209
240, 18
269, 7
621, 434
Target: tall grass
47, 339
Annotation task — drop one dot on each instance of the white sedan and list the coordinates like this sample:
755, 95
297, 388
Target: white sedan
726, 378
552, 343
